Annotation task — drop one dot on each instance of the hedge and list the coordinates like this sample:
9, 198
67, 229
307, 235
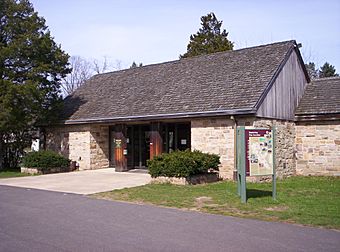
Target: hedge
183, 164
44, 160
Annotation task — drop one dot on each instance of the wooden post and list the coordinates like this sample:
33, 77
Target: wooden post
241, 164
237, 159
120, 146
156, 141
274, 165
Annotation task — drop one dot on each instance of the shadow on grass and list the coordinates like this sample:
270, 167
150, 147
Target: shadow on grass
255, 193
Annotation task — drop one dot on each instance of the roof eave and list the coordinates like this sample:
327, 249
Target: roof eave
318, 117
161, 116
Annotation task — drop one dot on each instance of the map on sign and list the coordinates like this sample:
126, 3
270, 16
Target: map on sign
259, 152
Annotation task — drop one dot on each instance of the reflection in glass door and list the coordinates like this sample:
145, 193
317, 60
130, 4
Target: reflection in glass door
138, 146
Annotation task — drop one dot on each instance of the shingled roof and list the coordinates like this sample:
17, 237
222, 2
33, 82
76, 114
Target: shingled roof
230, 82
322, 96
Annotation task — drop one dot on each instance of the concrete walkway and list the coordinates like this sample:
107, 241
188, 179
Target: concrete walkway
81, 182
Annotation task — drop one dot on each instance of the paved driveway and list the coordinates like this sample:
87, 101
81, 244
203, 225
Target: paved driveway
81, 182
35, 220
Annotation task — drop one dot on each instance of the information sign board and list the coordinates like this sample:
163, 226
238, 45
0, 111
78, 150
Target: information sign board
259, 152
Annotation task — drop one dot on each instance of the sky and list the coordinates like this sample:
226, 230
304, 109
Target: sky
159, 31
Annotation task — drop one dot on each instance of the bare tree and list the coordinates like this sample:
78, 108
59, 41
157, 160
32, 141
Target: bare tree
105, 66
118, 66
83, 69
81, 72
100, 67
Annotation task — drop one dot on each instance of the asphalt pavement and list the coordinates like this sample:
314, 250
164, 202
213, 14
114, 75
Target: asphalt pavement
36, 220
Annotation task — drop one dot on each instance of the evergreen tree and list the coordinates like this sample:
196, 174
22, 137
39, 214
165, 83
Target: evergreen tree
31, 68
134, 65
209, 38
312, 71
327, 70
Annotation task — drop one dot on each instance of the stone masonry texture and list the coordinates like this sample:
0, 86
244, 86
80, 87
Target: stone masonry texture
302, 148
86, 144
318, 148
215, 136
99, 146
72, 141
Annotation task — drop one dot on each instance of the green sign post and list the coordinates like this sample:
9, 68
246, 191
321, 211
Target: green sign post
255, 157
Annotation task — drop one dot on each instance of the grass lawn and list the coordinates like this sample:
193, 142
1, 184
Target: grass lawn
311, 201
9, 173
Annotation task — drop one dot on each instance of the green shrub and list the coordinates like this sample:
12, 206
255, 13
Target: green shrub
45, 160
183, 164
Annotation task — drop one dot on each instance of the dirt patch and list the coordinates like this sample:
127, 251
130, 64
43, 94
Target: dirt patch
277, 208
204, 201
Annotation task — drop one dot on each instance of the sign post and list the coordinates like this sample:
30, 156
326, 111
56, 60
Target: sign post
241, 164
274, 168
255, 157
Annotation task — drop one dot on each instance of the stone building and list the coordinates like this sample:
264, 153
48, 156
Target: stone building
121, 119
318, 129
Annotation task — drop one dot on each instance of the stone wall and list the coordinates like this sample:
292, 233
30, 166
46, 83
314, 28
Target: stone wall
215, 136
318, 148
308, 148
88, 145
99, 146
72, 141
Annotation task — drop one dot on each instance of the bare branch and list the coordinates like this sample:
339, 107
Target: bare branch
81, 72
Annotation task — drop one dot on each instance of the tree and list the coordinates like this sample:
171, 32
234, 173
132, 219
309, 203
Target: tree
134, 65
81, 72
311, 70
327, 70
83, 69
209, 38
32, 66
100, 67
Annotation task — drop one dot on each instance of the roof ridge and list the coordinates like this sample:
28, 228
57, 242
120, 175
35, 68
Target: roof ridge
326, 78
198, 56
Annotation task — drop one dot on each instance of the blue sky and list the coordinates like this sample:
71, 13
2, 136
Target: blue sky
158, 31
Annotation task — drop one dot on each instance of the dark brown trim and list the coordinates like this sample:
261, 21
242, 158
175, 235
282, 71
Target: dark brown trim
302, 64
162, 116
318, 117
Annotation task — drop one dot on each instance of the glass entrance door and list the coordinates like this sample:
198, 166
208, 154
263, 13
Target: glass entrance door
174, 136
138, 146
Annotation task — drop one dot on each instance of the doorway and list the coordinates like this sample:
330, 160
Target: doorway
138, 146
131, 145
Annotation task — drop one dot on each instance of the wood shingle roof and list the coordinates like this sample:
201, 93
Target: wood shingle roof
230, 82
322, 96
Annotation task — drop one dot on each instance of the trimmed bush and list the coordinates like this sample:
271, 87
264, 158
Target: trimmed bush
45, 160
182, 164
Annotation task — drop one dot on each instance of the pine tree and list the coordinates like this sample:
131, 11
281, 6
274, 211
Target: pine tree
327, 70
31, 68
209, 38
134, 65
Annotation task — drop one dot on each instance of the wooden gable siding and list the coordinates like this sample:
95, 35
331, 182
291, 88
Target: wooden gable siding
286, 92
